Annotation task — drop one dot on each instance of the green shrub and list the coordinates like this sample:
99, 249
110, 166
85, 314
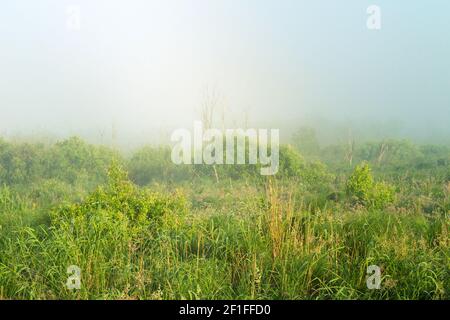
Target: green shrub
71, 161
74, 160
122, 199
106, 235
151, 164
309, 175
382, 195
362, 187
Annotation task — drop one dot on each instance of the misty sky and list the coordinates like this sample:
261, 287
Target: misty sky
145, 65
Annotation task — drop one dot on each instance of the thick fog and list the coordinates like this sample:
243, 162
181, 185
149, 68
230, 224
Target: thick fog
135, 70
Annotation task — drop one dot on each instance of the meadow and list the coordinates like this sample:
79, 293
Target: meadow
140, 227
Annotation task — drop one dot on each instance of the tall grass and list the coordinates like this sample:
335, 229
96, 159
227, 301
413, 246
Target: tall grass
279, 250
297, 236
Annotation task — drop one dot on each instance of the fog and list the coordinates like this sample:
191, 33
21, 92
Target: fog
132, 71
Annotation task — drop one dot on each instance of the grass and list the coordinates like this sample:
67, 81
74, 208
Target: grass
236, 239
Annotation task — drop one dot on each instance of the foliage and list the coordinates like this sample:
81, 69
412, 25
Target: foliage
71, 161
151, 164
181, 234
361, 185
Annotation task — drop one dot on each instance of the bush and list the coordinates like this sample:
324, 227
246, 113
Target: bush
71, 161
74, 160
382, 195
125, 201
308, 173
154, 164
106, 236
362, 187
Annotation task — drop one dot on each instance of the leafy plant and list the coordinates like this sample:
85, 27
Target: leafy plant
362, 187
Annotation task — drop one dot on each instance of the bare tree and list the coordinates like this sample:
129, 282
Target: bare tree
350, 148
383, 149
210, 104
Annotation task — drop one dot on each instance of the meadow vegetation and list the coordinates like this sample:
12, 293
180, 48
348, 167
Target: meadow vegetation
140, 227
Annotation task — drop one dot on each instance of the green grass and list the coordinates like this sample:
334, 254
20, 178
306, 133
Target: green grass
236, 239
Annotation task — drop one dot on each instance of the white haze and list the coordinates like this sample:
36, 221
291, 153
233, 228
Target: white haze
138, 69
